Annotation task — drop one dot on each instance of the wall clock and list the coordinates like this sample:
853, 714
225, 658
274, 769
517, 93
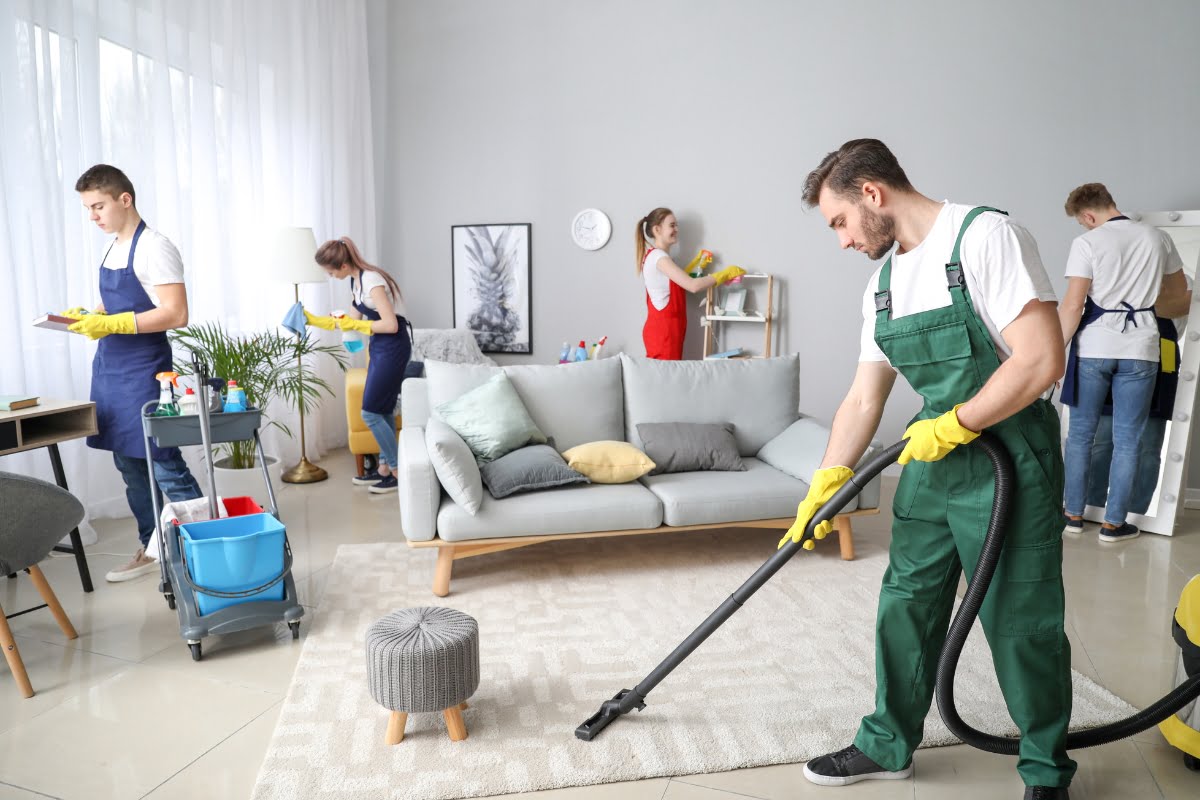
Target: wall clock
591, 229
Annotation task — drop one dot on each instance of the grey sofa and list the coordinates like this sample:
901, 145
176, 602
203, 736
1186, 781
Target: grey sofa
606, 400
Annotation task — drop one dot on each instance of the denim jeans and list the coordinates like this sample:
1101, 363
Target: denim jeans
1148, 465
383, 428
173, 479
1132, 384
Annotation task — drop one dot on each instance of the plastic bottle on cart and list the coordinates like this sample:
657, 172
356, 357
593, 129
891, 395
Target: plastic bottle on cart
564, 355
235, 398
189, 403
166, 395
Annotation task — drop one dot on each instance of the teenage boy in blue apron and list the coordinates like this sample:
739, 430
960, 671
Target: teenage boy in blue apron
964, 310
1116, 273
142, 295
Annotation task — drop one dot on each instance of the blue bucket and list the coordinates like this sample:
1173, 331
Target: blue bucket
234, 554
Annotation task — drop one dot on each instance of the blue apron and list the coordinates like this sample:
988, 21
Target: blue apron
1091, 313
390, 353
125, 365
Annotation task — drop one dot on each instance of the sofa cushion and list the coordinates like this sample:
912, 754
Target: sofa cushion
760, 397
491, 419
574, 403
414, 402
705, 498
454, 464
609, 461
798, 450
572, 509
451, 381
690, 446
537, 466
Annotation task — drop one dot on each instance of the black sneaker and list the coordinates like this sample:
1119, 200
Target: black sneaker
367, 478
850, 766
1046, 793
1072, 525
1121, 534
385, 485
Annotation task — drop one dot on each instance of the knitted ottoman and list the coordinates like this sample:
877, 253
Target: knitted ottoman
421, 660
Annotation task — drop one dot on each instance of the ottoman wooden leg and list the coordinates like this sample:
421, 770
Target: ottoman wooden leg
395, 728
455, 724
463, 706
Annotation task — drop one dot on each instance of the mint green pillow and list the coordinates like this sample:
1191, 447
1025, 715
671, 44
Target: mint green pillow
491, 419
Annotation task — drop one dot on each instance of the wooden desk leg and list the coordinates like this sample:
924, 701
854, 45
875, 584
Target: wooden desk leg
14, 657
454, 724
395, 728
60, 477
845, 537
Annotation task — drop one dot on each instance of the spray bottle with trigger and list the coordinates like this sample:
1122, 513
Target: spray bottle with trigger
166, 394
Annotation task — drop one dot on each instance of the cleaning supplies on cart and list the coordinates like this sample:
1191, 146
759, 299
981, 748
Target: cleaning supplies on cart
581, 351
235, 398
215, 404
166, 394
189, 403
564, 356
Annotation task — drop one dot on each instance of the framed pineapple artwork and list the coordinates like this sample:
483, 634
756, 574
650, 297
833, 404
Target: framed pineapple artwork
491, 272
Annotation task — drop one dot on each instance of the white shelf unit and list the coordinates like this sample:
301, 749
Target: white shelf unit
763, 319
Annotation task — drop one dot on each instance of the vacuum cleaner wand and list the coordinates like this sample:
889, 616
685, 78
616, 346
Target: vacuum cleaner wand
627, 700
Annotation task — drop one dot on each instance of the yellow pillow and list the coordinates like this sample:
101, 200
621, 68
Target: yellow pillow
609, 462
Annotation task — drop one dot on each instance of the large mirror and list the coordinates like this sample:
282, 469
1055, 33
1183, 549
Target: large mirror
1163, 462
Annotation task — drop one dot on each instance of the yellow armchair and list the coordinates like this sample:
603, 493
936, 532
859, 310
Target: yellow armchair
362, 442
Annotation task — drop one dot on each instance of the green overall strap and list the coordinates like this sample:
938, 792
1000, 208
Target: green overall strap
954, 272
883, 294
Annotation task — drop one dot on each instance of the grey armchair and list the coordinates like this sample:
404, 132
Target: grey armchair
34, 516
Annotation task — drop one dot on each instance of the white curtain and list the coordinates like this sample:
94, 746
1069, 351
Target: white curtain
231, 118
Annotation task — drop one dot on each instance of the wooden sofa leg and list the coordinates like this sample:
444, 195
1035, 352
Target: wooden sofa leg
9, 645
441, 573
359, 464
845, 537
51, 600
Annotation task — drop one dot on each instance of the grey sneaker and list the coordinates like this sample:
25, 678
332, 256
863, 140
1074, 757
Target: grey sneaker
141, 564
848, 766
385, 485
1121, 534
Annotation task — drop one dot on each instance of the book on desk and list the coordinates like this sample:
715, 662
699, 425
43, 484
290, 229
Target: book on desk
15, 402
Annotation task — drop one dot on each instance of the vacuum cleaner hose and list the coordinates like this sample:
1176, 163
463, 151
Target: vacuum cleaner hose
968, 611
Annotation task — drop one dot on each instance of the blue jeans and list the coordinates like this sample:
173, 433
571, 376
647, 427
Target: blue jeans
173, 478
1149, 462
1132, 384
383, 428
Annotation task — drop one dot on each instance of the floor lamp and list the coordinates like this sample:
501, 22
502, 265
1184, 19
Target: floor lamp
294, 264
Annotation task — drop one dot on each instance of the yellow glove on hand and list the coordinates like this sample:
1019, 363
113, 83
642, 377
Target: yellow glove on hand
74, 312
362, 326
728, 274
932, 439
824, 483
97, 326
325, 323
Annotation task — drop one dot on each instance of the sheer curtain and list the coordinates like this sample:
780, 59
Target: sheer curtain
231, 118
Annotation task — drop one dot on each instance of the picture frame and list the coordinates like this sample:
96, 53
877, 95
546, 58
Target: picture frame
492, 283
733, 302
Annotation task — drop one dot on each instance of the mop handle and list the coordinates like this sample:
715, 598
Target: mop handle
201, 371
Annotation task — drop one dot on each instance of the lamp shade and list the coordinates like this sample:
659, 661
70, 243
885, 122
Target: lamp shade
292, 254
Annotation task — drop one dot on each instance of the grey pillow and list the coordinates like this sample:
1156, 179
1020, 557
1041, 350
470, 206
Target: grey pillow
537, 466
690, 446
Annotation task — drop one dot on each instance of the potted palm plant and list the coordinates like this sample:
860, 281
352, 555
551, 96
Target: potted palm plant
267, 366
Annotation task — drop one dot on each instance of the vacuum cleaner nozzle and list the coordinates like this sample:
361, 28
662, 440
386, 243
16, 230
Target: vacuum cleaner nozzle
623, 702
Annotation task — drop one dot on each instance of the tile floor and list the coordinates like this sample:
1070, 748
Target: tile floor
123, 712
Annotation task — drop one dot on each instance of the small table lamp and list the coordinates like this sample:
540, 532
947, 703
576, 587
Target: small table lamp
293, 262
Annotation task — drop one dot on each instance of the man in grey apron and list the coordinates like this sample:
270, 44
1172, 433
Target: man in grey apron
131, 327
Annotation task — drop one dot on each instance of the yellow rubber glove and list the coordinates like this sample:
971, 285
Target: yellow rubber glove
362, 326
97, 326
74, 312
824, 483
325, 323
932, 439
728, 274
698, 264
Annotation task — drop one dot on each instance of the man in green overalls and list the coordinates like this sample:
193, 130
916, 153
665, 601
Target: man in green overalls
964, 310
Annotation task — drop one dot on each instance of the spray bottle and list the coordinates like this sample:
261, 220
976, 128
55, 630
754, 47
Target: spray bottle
596, 348
166, 394
564, 355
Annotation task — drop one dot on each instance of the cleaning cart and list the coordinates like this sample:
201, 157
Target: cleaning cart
221, 574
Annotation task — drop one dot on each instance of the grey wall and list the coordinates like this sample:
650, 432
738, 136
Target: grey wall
529, 110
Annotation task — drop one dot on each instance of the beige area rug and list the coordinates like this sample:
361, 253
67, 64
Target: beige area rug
566, 624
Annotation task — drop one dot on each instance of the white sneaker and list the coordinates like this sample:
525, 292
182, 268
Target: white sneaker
141, 564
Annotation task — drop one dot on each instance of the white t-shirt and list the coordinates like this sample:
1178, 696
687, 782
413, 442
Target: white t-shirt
1125, 261
658, 285
362, 292
155, 262
1000, 262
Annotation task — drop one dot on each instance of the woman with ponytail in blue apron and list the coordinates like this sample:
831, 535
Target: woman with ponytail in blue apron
1116, 273
142, 296
379, 314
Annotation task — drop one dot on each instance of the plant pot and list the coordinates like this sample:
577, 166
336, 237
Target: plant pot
247, 482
